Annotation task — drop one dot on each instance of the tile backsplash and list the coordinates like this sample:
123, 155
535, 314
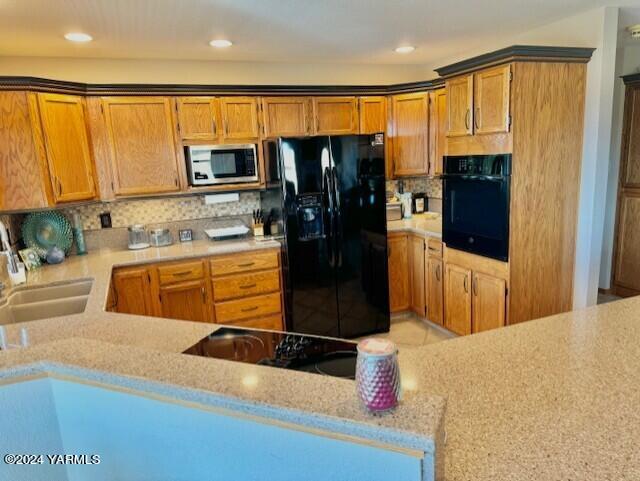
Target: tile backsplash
431, 186
159, 211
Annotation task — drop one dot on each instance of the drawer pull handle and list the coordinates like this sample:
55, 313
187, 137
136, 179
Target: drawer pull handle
182, 273
247, 264
249, 309
248, 286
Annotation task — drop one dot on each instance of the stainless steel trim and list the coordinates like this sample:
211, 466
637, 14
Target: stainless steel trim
226, 180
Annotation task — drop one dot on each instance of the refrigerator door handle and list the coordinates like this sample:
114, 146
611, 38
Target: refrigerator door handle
337, 215
327, 196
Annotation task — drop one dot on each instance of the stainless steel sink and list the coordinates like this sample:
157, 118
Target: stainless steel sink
35, 303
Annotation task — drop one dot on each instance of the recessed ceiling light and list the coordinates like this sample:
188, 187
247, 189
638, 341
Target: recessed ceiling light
405, 49
78, 37
221, 43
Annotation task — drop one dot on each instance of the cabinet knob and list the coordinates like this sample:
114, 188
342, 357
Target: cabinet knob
466, 288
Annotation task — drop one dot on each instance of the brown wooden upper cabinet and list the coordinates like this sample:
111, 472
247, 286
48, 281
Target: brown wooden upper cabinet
335, 115
144, 159
437, 130
373, 114
198, 118
460, 106
24, 174
491, 100
285, 116
239, 118
626, 275
410, 126
479, 103
67, 147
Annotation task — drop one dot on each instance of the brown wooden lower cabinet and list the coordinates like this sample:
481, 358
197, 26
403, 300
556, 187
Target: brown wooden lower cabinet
241, 289
489, 302
185, 300
132, 288
475, 301
417, 248
398, 261
435, 290
457, 299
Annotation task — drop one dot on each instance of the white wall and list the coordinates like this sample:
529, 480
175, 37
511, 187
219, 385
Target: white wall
205, 72
627, 62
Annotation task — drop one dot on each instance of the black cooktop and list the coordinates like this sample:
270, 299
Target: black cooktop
331, 357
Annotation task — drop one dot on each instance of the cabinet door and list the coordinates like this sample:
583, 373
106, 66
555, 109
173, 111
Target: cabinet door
417, 278
373, 114
143, 151
410, 119
67, 145
437, 131
132, 289
627, 269
185, 300
399, 294
285, 116
24, 174
457, 299
435, 292
335, 115
239, 117
631, 139
198, 118
491, 100
489, 302
460, 106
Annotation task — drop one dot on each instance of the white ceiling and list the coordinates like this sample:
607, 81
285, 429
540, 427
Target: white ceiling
348, 31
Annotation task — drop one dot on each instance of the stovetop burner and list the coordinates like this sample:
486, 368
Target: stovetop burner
331, 357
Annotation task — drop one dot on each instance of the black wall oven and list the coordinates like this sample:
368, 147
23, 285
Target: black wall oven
476, 204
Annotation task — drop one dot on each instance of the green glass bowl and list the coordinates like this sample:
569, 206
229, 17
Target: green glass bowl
43, 230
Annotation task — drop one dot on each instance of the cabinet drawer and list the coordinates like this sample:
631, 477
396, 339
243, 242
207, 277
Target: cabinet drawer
244, 285
252, 261
185, 271
434, 247
246, 308
273, 323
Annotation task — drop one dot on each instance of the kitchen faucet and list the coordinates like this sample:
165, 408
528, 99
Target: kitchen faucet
7, 250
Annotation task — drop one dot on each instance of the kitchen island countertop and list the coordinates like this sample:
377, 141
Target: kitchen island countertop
550, 399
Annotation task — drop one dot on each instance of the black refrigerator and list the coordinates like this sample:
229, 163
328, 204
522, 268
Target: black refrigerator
331, 196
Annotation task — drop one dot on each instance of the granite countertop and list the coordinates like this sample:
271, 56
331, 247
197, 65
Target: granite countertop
550, 399
112, 346
423, 224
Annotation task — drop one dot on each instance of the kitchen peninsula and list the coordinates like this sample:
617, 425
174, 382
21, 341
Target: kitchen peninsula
553, 398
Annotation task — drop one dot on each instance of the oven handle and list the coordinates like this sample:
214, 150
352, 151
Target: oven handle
491, 178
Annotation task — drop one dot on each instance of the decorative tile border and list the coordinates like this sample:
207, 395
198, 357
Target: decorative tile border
158, 211
431, 186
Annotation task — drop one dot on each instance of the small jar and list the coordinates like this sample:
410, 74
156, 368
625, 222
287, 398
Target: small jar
378, 374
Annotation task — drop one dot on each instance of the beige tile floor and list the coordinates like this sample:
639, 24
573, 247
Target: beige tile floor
604, 298
409, 330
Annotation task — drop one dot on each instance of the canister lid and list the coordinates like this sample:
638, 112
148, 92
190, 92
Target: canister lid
377, 346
